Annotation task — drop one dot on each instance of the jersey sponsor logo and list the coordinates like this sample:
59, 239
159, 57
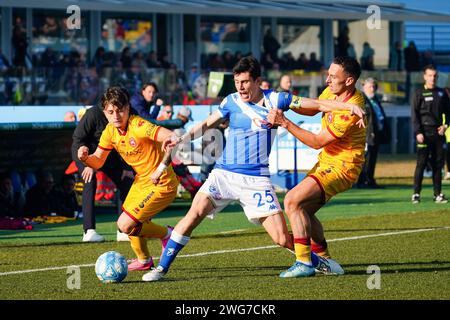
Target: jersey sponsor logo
345, 117
142, 204
132, 142
338, 128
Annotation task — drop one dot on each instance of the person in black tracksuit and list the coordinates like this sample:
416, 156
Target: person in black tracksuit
87, 133
428, 106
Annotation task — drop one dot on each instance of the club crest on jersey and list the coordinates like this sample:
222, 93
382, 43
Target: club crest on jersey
262, 123
330, 117
132, 142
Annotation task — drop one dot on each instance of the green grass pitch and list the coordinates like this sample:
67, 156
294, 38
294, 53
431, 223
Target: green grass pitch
409, 243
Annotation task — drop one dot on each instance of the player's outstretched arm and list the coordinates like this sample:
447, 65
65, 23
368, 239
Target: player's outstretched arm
316, 141
95, 160
326, 106
196, 132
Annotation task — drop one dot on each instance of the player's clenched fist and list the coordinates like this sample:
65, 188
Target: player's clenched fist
83, 153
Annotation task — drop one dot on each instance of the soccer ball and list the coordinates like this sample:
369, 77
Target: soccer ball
111, 267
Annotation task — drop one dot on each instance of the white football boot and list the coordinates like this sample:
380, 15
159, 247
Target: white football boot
122, 236
92, 236
328, 267
154, 275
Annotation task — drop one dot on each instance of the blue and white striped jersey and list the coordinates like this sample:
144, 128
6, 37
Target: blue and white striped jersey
250, 137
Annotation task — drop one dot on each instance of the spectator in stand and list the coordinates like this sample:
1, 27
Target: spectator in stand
194, 73
20, 44
146, 102
50, 28
70, 116
63, 197
152, 60
11, 203
166, 113
367, 57
427, 58
98, 59
228, 60
271, 44
38, 197
285, 83
343, 42
412, 57
165, 63
396, 57
267, 61
290, 62
265, 85
313, 63
302, 61
125, 58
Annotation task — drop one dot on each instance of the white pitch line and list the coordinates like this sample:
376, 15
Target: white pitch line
235, 250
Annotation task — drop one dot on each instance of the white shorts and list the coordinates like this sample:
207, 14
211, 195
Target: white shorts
255, 194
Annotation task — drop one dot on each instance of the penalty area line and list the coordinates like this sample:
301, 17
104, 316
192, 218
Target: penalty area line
200, 254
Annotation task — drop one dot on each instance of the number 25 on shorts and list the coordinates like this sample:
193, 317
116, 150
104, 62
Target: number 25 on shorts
268, 198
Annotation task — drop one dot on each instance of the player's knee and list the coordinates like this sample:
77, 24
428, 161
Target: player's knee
290, 204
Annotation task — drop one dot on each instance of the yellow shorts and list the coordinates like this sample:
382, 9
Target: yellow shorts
333, 179
145, 200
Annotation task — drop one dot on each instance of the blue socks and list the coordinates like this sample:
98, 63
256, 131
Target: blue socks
174, 245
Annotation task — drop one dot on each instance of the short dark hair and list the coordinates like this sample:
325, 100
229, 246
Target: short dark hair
117, 96
350, 66
146, 84
248, 64
429, 67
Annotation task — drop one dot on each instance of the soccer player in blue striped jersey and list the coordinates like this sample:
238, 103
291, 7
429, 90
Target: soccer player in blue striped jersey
242, 172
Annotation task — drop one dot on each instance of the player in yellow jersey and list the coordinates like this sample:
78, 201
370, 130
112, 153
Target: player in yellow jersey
155, 185
339, 164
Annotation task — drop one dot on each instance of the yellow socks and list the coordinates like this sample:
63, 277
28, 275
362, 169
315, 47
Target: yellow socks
303, 250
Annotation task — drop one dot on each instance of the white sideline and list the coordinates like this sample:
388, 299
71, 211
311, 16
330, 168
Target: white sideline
235, 250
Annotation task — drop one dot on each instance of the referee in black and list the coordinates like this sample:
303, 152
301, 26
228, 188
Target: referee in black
428, 106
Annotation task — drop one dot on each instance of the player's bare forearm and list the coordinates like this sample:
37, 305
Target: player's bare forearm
156, 175
305, 136
308, 106
199, 129
95, 160
167, 159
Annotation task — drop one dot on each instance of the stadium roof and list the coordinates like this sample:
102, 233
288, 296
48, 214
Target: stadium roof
318, 9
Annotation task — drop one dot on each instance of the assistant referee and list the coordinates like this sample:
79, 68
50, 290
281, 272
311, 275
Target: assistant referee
429, 104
